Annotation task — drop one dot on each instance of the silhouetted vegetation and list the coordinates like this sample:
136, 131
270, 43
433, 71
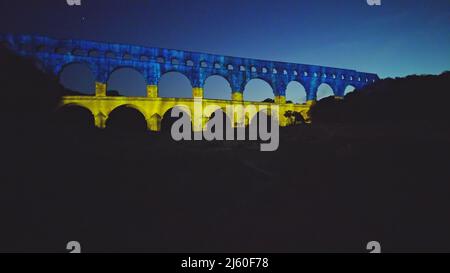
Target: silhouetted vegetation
113, 93
372, 167
25, 88
268, 100
296, 117
414, 98
126, 119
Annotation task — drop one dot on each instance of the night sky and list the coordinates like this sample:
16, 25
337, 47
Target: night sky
399, 38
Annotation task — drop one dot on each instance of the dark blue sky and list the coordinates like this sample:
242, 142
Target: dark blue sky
398, 38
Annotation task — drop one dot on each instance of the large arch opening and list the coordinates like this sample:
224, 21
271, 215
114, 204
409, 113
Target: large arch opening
349, 89
168, 121
258, 90
174, 85
78, 79
217, 87
75, 117
126, 119
127, 82
324, 91
296, 92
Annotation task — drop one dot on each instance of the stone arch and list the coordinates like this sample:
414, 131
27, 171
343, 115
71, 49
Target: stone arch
75, 104
126, 117
110, 54
167, 111
62, 50
217, 87
167, 120
77, 77
324, 91
79, 52
94, 53
189, 62
127, 56
210, 109
128, 105
174, 84
349, 89
160, 59
144, 58
258, 90
127, 81
75, 116
296, 92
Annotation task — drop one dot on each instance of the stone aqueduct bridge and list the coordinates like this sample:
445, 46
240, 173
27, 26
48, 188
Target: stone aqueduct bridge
104, 58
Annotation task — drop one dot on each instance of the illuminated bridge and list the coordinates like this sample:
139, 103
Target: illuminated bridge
53, 55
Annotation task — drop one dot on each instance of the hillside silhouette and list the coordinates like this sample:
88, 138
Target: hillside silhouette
414, 98
371, 167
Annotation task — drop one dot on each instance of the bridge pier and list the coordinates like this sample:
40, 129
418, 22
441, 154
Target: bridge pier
197, 92
100, 120
154, 123
152, 91
280, 99
282, 119
100, 89
237, 96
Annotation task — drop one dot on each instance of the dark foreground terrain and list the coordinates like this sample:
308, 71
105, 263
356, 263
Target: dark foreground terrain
372, 167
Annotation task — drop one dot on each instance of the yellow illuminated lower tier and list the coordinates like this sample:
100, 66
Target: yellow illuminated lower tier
155, 108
